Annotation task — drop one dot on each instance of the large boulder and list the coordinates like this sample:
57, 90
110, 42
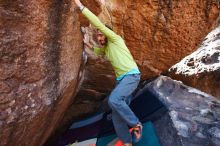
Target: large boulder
160, 33
193, 116
40, 57
201, 69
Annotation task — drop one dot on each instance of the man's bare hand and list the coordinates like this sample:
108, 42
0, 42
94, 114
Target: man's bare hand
88, 44
79, 4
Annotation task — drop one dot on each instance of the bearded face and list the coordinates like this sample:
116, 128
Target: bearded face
101, 38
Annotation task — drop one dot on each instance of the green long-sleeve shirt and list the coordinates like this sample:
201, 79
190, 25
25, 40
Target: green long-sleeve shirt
115, 50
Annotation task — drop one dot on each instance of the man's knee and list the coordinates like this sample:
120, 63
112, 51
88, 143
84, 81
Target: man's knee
113, 102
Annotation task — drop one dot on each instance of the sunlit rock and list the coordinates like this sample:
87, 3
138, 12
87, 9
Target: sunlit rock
201, 69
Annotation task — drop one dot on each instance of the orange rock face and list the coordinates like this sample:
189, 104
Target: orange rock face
40, 55
161, 33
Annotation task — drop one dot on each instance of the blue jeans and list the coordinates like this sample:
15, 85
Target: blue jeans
119, 99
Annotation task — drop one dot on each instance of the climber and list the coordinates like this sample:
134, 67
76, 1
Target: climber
127, 79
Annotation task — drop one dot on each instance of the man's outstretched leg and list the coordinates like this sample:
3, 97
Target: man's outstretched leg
117, 102
121, 128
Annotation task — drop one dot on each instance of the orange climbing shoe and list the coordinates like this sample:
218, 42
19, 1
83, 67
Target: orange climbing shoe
119, 143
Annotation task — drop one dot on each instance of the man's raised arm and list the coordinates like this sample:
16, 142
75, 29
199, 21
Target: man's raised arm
94, 20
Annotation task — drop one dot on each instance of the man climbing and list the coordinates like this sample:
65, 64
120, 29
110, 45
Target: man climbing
128, 77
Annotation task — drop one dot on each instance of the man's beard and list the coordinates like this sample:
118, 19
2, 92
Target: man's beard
104, 42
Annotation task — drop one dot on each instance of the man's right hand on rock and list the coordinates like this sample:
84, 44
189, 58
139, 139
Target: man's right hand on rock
79, 4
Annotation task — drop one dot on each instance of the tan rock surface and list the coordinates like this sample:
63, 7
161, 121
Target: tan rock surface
39, 66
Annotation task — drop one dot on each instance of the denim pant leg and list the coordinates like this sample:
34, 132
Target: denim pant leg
105, 105
122, 115
121, 128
